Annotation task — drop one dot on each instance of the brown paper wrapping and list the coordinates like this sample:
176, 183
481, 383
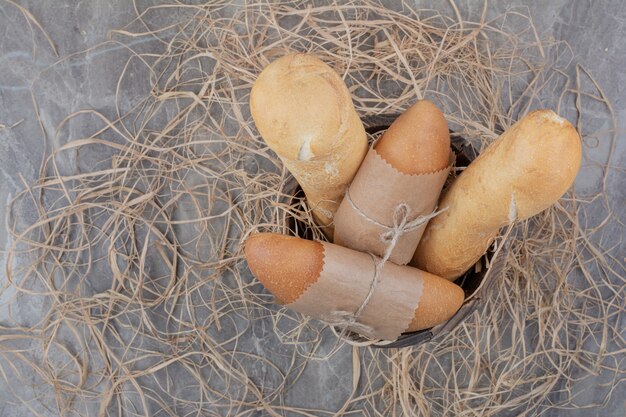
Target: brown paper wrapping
344, 284
368, 210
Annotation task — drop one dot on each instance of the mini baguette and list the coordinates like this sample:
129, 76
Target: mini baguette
287, 266
398, 181
305, 114
522, 173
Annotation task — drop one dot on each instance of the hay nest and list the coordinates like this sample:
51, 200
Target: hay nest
177, 326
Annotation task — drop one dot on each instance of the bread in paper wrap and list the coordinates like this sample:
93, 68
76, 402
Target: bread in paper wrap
331, 283
396, 189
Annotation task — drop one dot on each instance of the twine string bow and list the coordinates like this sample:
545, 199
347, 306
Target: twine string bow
402, 223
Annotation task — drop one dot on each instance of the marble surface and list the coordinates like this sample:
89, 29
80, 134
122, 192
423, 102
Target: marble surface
595, 31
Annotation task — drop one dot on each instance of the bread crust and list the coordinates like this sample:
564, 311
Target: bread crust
526, 170
417, 142
305, 114
287, 266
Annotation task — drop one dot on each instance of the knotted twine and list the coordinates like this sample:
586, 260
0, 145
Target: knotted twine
401, 224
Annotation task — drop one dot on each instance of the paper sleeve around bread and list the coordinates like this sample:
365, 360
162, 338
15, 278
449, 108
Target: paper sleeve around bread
367, 211
343, 285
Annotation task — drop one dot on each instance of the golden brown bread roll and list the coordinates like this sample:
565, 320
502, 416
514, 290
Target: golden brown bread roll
526, 170
418, 141
287, 265
305, 114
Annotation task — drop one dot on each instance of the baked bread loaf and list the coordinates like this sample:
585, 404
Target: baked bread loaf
397, 186
287, 266
305, 114
526, 170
